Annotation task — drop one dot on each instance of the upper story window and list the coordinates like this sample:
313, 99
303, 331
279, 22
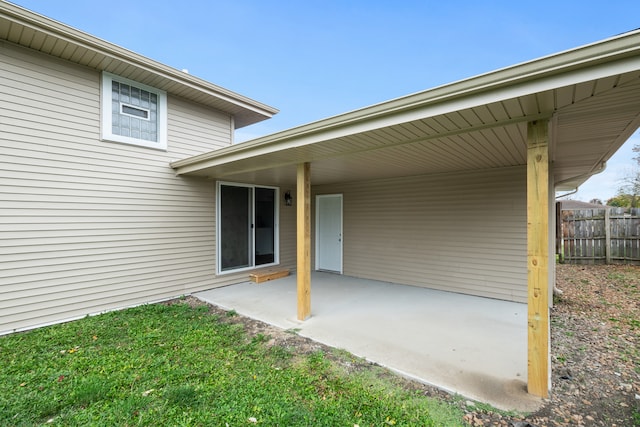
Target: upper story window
133, 113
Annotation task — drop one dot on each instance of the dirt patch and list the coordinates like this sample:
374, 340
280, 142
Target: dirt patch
595, 346
595, 337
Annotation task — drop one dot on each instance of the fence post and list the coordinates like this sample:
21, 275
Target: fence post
607, 236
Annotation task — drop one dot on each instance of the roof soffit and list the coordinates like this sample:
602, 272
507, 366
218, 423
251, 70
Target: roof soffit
604, 111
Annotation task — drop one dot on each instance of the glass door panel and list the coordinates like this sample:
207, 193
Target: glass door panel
235, 227
265, 207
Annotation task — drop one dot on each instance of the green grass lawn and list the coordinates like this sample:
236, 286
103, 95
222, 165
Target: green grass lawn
179, 365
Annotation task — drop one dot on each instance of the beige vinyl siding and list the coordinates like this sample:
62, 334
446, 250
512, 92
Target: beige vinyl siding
89, 225
288, 231
460, 232
195, 129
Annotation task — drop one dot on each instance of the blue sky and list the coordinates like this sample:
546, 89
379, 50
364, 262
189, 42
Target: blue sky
314, 59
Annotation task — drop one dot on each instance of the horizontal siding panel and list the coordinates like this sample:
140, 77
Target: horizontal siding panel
56, 72
68, 227
198, 129
36, 85
183, 196
21, 298
48, 285
102, 203
30, 235
182, 189
95, 302
77, 236
148, 259
460, 232
25, 132
23, 136
79, 212
70, 180
114, 220
288, 239
31, 124
33, 80
35, 110
85, 255
53, 248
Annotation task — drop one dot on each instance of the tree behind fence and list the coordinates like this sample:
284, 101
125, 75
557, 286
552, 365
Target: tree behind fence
600, 236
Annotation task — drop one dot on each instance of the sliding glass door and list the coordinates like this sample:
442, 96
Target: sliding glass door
247, 226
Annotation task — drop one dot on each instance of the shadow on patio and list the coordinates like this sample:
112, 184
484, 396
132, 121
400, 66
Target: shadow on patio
473, 346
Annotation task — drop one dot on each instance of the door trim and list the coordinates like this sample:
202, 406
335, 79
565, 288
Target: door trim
317, 233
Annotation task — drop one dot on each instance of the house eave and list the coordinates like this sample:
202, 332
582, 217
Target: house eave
34, 31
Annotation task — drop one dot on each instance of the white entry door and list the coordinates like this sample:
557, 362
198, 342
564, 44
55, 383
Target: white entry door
329, 232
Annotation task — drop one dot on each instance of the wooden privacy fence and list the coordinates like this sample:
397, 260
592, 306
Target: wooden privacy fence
605, 235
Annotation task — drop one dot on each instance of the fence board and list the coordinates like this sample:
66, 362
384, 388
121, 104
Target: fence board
587, 238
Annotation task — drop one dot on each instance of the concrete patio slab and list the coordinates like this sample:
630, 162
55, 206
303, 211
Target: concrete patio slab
473, 346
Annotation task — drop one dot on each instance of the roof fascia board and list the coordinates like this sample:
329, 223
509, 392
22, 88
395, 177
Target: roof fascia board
80, 38
467, 96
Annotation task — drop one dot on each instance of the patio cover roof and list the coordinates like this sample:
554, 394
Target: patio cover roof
590, 94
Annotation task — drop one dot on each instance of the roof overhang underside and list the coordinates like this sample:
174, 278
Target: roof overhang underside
28, 29
591, 96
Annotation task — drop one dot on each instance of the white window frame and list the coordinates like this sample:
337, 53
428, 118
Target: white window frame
276, 231
107, 115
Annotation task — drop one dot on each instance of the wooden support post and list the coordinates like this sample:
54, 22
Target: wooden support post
538, 257
607, 235
303, 206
